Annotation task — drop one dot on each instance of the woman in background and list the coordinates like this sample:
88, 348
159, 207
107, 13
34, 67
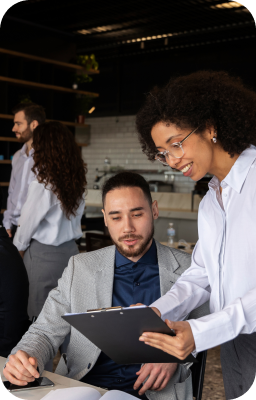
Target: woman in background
50, 220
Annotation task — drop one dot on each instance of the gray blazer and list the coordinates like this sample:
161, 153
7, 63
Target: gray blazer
87, 283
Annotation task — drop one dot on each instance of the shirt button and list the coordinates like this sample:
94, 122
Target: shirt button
137, 284
225, 194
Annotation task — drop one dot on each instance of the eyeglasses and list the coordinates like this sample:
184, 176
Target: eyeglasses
176, 150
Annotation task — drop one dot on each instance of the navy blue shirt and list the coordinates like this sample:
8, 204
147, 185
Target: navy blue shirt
134, 282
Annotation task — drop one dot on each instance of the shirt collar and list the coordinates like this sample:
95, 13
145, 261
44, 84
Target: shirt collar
23, 151
238, 173
150, 257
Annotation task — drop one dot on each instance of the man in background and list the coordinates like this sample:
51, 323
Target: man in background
26, 118
14, 320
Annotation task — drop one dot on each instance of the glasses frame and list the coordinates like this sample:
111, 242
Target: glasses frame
167, 152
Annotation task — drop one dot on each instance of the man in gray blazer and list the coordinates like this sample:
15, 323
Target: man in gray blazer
136, 269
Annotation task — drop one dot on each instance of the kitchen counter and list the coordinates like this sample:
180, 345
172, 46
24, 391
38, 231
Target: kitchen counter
173, 207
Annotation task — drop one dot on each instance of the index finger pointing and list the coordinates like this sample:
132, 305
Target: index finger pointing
27, 364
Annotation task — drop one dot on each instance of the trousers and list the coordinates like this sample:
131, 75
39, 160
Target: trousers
45, 265
238, 362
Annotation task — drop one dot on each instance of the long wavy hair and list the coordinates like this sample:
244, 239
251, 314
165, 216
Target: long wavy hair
58, 163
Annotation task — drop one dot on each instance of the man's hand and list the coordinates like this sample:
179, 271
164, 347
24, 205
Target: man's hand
153, 308
158, 376
179, 346
22, 253
9, 232
21, 369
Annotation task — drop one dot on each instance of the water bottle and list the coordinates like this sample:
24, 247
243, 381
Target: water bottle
170, 234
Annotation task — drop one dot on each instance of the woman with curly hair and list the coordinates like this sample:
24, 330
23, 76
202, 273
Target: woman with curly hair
50, 220
206, 123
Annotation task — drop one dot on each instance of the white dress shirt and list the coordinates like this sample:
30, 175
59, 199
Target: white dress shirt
43, 219
223, 265
21, 177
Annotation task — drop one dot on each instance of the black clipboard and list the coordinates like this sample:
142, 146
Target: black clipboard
116, 332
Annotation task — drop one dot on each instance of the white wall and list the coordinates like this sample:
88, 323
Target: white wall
116, 138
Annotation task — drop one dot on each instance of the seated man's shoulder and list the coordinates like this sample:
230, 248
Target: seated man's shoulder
177, 253
170, 254
95, 256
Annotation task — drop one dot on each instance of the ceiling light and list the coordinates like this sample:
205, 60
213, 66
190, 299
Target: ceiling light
230, 4
83, 32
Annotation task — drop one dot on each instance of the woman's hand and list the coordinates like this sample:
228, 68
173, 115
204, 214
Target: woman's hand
179, 346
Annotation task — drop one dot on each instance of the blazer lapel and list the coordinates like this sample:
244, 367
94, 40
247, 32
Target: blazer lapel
167, 266
104, 277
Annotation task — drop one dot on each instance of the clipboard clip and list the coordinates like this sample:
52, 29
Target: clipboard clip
105, 309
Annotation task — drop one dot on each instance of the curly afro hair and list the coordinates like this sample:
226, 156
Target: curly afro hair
203, 99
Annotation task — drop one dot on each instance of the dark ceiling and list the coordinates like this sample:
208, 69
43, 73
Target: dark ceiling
121, 28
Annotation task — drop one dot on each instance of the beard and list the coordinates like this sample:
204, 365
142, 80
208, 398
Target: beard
133, 251
25, 135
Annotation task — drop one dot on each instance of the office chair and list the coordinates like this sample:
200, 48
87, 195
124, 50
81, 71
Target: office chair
95, 241
198, 370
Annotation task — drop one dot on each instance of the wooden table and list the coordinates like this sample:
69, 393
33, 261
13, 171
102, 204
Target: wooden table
60, 382
187, 249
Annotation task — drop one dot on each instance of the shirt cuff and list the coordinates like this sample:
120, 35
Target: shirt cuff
7, 224
211, 331
162, 306
20, 246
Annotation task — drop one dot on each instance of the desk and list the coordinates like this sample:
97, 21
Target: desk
60, 382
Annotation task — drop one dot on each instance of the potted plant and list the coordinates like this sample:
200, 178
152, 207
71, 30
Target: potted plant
89, 63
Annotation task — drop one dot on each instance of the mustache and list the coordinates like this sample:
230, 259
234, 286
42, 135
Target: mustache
130, 236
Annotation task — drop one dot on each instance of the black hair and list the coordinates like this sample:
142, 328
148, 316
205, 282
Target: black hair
126, 179
202, 99
1, 198
32, 111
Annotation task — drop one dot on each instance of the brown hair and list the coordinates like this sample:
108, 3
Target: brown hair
32, 111
58, 163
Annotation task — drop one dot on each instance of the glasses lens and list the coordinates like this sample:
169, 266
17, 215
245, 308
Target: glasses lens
161, 157
176, 150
